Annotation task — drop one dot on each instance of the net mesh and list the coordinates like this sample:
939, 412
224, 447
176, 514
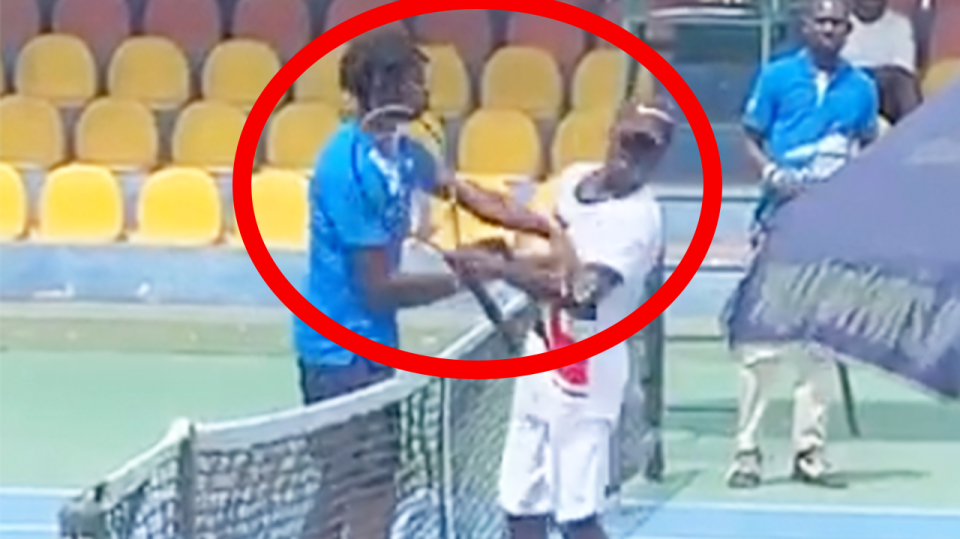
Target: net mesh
434, 444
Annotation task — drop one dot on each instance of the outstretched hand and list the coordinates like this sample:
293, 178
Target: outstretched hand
476, 263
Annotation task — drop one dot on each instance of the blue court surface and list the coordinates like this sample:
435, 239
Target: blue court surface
30, 514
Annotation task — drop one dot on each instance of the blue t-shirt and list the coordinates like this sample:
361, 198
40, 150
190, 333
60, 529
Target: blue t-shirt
358, 199
811, 131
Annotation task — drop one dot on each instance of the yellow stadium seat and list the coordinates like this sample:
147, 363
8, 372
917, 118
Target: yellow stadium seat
940, 75
523, 78
13, 203
447, 80
31, 132
599, 81
321, 82
206, 135
280, 204
298, 132
428, 130
236, 71
118, 133
152, 70
499, 142
80, 204
179, 206
57, 67
581, 136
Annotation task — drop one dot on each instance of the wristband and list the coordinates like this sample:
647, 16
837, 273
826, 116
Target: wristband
770, 173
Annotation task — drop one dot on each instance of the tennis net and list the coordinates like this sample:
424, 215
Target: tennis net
273, 476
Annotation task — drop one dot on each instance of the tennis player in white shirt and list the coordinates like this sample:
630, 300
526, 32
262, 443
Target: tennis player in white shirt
555, 465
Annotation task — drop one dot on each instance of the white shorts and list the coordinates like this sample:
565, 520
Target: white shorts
558, 467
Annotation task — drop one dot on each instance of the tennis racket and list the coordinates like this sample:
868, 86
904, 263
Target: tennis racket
492, 311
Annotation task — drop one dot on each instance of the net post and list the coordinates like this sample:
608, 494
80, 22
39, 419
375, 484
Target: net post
84, 517
187, 486
652, 382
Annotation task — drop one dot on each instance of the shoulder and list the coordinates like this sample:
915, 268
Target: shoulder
567, 182
334, 163
781, 69
337, 150
894, 20
573, 174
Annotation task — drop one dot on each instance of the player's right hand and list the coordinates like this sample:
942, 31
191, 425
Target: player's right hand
787, 182
476, 264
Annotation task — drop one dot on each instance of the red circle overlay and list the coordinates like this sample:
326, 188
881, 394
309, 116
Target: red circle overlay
500, 368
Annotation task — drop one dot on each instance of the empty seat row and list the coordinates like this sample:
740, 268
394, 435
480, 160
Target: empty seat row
122, 134
83, 204
60, 68
175, 206
154, 70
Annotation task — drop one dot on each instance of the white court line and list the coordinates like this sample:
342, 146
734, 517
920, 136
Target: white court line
28, 528
750, 507
758, 507
38, 492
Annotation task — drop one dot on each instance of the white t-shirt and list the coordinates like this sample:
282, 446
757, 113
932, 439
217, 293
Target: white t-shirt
887, 41
625, 235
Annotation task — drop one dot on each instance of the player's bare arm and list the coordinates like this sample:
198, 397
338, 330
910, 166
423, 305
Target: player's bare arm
494, 208
754, 143
386, 291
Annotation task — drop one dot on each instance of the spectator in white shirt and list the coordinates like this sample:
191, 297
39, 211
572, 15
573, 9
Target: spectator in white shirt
882, 42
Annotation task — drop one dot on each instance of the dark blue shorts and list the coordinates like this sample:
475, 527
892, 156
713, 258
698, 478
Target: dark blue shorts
320, 382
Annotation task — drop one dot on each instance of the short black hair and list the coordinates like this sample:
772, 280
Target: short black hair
380, 54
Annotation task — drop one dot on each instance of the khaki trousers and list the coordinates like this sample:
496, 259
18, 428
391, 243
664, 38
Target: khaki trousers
815, 378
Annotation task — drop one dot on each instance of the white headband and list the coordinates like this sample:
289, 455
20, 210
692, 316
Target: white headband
655, 112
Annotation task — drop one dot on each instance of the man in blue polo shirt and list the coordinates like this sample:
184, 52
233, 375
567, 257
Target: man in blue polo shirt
361, 200
808, 115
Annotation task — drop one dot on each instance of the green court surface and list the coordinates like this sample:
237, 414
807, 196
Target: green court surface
70, 413
84, 388
906, 455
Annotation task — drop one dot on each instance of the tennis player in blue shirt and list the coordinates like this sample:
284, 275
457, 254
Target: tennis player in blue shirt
807, 116
361, 200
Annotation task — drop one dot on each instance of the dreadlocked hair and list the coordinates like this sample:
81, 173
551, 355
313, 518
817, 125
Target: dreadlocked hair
374, 58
